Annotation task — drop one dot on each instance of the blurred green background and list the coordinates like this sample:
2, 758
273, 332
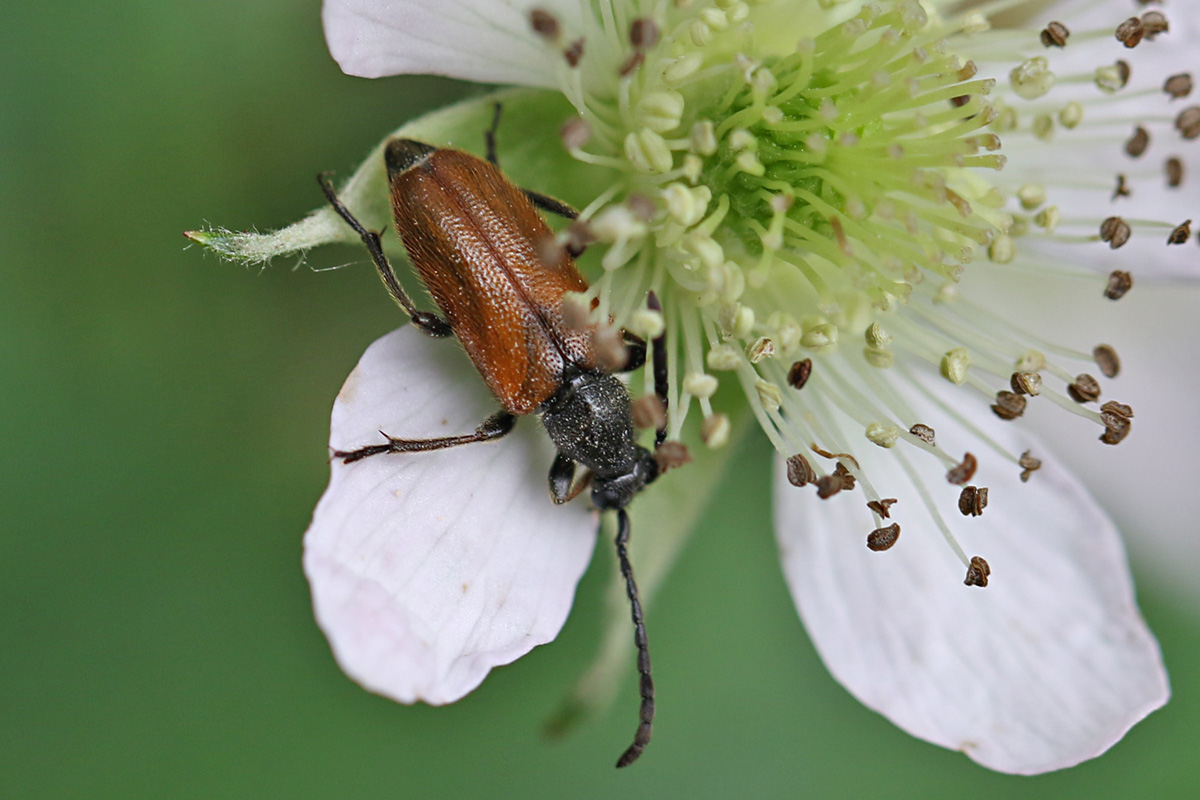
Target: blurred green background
164, 417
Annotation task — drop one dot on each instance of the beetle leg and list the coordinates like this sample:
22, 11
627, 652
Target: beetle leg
493, 427
563, 486
489, 136
645, 683
659, 347
551, 206
428, 322
636, 347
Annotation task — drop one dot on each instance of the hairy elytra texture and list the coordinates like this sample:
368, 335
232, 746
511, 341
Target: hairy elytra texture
473, 237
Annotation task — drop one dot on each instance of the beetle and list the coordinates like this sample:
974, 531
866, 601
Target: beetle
479, 246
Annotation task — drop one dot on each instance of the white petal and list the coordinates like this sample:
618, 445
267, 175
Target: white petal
429, 569
489, 42
1046, 667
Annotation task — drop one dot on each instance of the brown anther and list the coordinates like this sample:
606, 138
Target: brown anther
670, 455
1122, 189
799, 471
1123, 71
1154, 23
1107, 360
961, 100
1188, 122
922, 432
1029, 383
882, 539
1130, 32
1119, 282
1182, 232
574, 52
579, 235
643, 33
544, 24
1055, 35
760, 350
1115, 231
632, 63
828, 486
963, 472
882, 506
550, 251
1116, 418
977, 573
1029, 465
798, 375
972, 501
1085, 389
575, 133
1174, 169
1008, 405
1178, 86
1137, 144
648, 412
848, 480
610, 352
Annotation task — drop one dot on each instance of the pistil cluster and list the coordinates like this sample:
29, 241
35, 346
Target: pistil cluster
806, 210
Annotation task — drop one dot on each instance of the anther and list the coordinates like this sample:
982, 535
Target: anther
544, 24
1116, 418
849, 481
1055, 35
828, 486
1130, 32
1137, 144
1122, 189
922, 432
798, 374
574, 52
962, 473
1113, 78
882, 506
1029, 383
1154, 23
632, 63
1115, 231
1174, 170
800, 472
643, 33
1188, 122
1107, 360
648, 412
575, 133
972, 501
670, 455
1029, 465
1009, 405
1182, 232
1178, 86
579, 235
977, 573
882, 539
1119, 282
715, 430
1085, 389
760, 349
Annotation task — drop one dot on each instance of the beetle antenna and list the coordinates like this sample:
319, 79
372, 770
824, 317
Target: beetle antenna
659, 354
646, 714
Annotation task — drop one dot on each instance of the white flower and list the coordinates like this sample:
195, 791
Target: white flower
830, 198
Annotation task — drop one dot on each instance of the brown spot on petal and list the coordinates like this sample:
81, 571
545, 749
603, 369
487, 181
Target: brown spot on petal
799, 471
963, 472
978, 572
798, 374
574, 52
1119, 282
643, 33
1085, 389
544, 24
1106, 358
882, 539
